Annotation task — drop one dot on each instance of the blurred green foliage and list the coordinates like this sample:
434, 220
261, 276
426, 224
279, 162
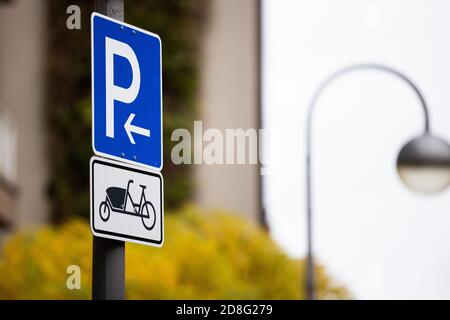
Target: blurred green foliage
180, 24
207, 255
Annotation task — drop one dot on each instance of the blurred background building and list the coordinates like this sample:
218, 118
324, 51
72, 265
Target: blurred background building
229, 98
23, 148
44, 94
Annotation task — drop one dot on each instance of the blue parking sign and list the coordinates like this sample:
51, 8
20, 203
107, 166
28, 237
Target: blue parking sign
126, 92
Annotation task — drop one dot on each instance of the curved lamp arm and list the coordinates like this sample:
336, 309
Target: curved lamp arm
365, 66
357, 67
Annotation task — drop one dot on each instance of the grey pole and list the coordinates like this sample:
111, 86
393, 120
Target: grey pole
108, 256
310, 284
110, 8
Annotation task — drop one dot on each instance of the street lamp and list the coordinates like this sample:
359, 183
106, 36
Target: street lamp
423, 163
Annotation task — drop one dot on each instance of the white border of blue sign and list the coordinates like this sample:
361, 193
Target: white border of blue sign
93, 99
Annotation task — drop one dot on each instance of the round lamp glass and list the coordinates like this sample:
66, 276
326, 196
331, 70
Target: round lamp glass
423, 164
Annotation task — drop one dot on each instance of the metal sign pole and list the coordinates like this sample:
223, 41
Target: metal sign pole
108, 261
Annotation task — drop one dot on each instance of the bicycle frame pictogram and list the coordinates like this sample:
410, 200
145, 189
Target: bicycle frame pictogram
117, 200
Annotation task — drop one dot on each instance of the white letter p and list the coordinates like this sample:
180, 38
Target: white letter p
113, 92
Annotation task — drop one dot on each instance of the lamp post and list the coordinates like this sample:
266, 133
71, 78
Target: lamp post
423, 163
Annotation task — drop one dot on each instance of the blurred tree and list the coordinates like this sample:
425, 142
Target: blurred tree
179, 24
211, 255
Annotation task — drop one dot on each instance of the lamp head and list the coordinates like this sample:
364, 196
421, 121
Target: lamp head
423, 164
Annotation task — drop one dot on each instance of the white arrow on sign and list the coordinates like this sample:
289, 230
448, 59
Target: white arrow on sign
129, 128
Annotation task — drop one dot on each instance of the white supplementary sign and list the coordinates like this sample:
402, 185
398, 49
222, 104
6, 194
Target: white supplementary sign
126, 202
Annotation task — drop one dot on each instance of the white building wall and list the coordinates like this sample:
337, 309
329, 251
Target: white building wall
22, 44
229, 99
